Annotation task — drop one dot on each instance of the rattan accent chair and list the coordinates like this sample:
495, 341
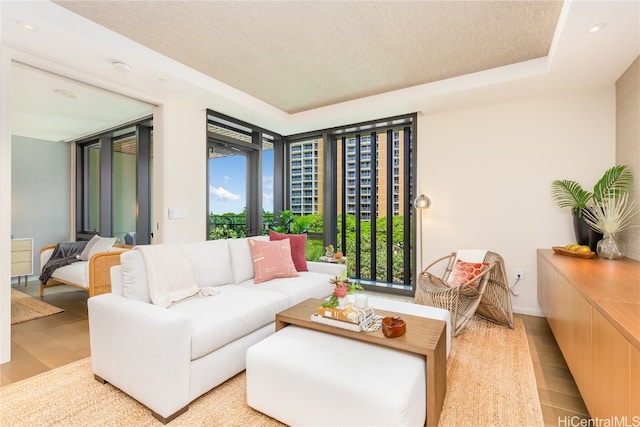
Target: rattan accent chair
489, 299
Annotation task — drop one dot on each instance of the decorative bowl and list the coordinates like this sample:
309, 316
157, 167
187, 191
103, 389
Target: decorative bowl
393, 327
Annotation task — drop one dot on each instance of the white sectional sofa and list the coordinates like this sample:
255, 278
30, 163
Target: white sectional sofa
167, 357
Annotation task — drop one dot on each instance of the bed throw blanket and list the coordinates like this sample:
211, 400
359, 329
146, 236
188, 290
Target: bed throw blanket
171, 274
63, 254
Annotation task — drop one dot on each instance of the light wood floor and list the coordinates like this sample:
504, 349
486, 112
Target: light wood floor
50, 342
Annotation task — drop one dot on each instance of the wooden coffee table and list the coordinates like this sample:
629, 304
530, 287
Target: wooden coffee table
426, 337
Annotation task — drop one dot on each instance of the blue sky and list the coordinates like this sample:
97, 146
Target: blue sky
228, 183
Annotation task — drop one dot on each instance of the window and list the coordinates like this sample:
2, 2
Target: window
114, 183
365, 174
385, 225
242, 180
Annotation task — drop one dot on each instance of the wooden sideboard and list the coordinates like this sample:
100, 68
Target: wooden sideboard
593, 309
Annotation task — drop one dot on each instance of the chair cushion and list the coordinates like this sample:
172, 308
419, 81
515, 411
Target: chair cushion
271, 260
298, 248
464, 271
76, 273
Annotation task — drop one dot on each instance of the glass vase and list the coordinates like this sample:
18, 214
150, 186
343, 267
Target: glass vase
343, 302
611, 247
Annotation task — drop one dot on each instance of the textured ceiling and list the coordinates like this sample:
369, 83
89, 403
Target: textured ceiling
298, 56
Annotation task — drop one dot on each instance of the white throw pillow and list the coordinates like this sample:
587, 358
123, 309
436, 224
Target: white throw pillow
96, 245
241, 259
135, 283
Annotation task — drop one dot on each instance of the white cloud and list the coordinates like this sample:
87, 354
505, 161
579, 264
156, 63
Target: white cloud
222, 194
227, 178
267, 182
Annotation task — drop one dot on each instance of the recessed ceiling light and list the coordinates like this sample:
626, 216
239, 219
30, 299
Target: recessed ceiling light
120, 66
598, 27
26, 26
65, 93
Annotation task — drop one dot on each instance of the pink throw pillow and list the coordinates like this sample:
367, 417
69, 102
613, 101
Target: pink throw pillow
271, 260
465, 271
298, 248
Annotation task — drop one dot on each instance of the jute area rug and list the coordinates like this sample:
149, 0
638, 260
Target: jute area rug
24, 307
490, 383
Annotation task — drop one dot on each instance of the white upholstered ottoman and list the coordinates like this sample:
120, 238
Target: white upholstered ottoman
304, 377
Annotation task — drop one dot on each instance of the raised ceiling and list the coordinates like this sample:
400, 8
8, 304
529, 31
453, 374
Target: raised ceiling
294, 67
297, 56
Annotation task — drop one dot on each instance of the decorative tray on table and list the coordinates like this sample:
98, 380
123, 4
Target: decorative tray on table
563, 251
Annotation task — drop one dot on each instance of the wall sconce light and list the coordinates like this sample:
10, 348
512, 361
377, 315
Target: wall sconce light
421, 203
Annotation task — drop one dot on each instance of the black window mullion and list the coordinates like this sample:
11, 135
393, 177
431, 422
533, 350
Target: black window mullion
143, 186
407, 248
374, 205
329, 213
343, 238
357, 207
389, 183
106, 186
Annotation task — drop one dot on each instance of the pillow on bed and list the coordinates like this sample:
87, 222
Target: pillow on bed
96, 245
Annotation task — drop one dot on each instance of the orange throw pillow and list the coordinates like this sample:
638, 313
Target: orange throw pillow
271, 260
465, 271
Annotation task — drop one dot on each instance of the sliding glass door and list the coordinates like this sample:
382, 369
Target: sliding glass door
113, 182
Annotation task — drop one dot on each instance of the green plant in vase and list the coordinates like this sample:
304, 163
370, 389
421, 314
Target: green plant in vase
570, 194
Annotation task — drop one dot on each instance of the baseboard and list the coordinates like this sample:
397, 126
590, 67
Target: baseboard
536, 313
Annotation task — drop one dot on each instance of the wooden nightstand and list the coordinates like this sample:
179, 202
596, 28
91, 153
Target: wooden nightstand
21, 258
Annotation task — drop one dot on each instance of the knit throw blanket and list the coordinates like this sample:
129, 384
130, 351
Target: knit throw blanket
63, 254
171, 274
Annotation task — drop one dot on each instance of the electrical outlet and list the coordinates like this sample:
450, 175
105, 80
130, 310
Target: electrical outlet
519, 273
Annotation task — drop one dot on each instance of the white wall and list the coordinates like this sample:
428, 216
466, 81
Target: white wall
40, 192
5, 202
180, 145
488, 171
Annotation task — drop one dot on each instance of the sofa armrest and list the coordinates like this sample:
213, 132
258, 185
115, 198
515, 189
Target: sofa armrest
333, 269
45, 253
99, 271
143, 349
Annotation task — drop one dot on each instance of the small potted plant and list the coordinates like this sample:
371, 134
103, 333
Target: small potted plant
329, 251
341, 288
570, 194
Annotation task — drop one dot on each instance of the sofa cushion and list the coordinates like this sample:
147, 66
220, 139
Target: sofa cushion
96, 245
271, 260
297, 289
76, 273
241, 261
298, 248
212, 262
135, 284
231, 314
